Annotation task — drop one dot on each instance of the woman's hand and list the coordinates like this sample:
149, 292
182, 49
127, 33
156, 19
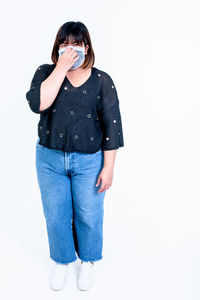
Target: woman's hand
106, 178
68, 58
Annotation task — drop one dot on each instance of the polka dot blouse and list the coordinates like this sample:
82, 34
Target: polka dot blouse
83, 119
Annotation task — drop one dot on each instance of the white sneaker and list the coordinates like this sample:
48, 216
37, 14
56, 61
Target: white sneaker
57, 276
86, 276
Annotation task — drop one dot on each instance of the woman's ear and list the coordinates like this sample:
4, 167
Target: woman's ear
86, 49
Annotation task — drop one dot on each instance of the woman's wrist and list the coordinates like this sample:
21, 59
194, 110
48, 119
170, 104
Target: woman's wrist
109, 167
61, 69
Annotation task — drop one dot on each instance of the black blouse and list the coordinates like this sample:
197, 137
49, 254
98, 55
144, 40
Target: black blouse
83, 119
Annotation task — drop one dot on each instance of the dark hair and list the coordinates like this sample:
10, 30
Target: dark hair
74, 32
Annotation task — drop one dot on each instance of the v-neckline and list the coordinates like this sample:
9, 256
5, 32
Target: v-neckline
80, 86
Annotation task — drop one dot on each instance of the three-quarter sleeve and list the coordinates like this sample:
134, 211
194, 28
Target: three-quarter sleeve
33, 95
110, 115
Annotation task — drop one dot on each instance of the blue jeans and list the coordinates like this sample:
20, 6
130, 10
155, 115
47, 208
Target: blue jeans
72, 206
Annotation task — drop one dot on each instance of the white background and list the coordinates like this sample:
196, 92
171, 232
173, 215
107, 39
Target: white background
151, 49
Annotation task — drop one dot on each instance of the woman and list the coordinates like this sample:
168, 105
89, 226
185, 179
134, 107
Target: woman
79, 131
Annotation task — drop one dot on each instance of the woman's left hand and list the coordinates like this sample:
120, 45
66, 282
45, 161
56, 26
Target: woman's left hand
106, 178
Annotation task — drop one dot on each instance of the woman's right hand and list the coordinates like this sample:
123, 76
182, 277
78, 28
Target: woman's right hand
68, 58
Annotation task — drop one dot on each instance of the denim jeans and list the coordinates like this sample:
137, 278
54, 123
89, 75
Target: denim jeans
72, 207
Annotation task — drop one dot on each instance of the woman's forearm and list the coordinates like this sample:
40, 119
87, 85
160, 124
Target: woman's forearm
51, 86
109, 159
